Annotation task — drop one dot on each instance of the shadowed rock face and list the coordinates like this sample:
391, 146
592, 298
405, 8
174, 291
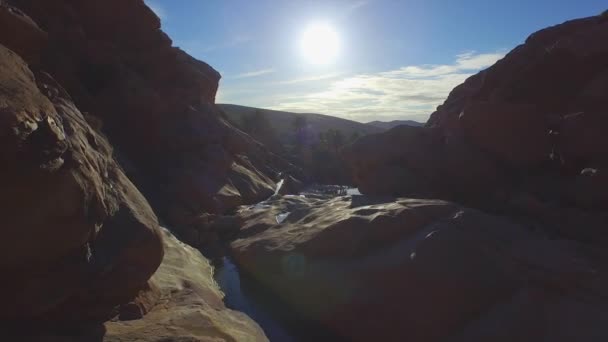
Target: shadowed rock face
78, 237
80, 243
422, 270
417, 161
520, 140
154, 102
191, 306
531, 123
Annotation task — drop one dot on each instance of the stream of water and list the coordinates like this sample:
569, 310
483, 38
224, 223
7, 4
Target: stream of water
228, 278
246, 295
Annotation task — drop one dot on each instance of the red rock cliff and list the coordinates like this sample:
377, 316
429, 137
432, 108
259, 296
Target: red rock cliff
90, 92
154, 102
531, 126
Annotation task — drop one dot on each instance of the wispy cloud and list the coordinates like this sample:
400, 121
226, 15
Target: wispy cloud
255, 73
311, 78
413, 91
201, 49
464, 62
157, 9
235, 41
355, 5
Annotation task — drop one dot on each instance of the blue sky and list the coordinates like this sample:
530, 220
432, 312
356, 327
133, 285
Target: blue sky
398, 59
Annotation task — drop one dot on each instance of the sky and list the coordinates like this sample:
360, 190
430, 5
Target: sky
394, 59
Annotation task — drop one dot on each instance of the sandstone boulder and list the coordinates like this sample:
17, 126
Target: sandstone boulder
189, 307
514, 134
589, 189
401, 161
77, 233
420, 162
156, 104
583, 139
530, 123
21, 34
182, 302
422, 270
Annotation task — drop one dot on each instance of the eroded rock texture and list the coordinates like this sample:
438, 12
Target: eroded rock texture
521, 142
154, 102
81, 245
423, 270
190, 306
532, 123
78, 237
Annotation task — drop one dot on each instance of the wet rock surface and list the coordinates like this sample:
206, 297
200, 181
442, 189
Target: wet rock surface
189, 307
422, 270
94, 95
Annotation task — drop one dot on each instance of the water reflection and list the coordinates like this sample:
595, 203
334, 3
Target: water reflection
228, 278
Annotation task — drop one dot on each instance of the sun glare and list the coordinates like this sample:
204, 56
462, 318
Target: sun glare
320, 44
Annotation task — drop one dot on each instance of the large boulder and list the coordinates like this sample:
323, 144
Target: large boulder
531, 123
556, 81
78, 237
420, 162
21, 34
154, 102
514, 134
182, 302
191, 306
421, 270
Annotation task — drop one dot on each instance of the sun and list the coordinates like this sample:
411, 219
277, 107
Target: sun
320, 44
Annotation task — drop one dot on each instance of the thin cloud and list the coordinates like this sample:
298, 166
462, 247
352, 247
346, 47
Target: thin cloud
311, 78
465, 62
235, 41
255, 73
355, 5
201, 49
410, 91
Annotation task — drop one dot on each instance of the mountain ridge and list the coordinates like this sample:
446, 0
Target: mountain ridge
283, 120
394, 123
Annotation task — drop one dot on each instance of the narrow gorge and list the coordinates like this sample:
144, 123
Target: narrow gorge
124, 185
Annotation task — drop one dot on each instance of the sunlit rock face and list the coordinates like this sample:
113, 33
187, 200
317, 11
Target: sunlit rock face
190, 306
78, 239
154, 101
90, 92
421, 270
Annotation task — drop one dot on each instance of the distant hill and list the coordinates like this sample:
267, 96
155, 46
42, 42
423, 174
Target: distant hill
282, 122
386, 125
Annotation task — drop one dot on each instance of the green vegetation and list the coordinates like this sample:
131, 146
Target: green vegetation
299, 137
326, 164
258, 126
318, 155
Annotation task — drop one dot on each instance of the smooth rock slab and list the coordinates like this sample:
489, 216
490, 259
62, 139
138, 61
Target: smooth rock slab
190, 307
420, 270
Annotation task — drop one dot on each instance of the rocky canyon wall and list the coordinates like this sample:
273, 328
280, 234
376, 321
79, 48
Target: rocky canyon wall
92, 97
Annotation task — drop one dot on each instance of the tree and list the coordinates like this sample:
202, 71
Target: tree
335, 139
300, 133
254, 123
299, 123
259, 127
